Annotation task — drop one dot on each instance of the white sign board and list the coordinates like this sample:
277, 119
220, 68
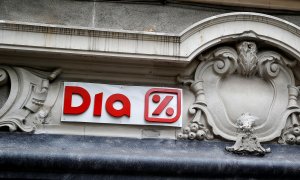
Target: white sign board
118, 104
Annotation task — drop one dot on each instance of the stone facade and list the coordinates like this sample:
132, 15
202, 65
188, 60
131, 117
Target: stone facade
238, 71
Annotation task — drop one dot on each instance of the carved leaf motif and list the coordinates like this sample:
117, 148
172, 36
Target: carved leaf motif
269, 64
225, 60
247, 142
247, 58
246, 61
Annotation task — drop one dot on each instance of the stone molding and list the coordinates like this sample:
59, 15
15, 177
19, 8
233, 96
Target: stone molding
181, 47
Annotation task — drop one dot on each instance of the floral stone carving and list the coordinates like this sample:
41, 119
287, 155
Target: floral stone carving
32, 95
228, 82
246, 141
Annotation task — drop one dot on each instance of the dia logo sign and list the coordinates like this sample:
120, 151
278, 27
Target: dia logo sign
159, 106
114, 104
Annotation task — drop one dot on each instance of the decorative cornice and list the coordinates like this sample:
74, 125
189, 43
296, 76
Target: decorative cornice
91, 32
177, 48
149, 36
239, 16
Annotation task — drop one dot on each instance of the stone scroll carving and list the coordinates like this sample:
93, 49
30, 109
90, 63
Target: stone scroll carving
230, 81
31, 97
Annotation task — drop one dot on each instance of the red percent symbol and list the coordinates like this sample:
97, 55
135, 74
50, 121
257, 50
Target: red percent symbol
162, 105
170, 94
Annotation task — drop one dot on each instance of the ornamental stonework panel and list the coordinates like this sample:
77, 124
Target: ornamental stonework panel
241, 91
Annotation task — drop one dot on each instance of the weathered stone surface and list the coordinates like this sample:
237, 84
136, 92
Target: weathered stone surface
4, 93
152, 18
290, 18
168, 18
65, 12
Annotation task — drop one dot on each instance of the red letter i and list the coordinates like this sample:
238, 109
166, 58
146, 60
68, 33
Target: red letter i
98, 104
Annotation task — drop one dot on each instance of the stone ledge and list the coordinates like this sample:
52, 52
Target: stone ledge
28, 155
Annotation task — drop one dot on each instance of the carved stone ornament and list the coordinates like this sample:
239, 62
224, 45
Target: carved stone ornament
231, 81
31, 97
246, 141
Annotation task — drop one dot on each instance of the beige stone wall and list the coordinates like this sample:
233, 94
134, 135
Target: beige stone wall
293, 5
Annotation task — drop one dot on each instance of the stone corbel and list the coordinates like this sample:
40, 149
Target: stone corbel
31, 98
